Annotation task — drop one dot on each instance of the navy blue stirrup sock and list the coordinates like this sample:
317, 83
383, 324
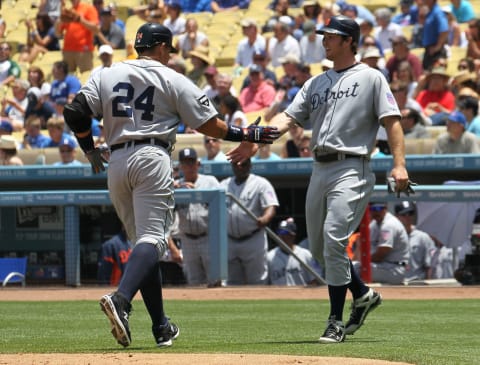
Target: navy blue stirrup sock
141, 262
337, 300
356, 286
152, 296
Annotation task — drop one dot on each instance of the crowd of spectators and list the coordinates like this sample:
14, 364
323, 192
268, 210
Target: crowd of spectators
416, 46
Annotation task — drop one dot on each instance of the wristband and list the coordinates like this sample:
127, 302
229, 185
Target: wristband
86, 143
234, 134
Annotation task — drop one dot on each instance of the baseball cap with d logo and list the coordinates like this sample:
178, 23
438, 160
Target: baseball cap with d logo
341, 25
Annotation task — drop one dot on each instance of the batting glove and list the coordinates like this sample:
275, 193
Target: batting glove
256, 134
96, 159
392, 186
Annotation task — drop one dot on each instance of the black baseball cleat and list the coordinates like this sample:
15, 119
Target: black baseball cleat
335, 332
360, 309
164, 335
117, 309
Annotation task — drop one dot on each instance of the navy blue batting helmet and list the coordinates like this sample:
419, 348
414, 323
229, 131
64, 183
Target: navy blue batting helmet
151, 34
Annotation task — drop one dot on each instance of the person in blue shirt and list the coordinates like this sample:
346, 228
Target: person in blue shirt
435, 34
468, 105
463, 10
64, 86
67, 151
195, 6
33, 137
56, 130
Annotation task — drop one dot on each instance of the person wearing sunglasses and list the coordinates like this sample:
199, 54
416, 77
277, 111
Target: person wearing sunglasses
213, 147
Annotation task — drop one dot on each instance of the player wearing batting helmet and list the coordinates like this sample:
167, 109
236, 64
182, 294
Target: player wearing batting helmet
142, 103
345, 107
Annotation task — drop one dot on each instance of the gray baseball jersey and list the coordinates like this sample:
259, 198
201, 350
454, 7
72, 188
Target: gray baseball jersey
284, 269
145, 99
421, 246
140, 99
337, 106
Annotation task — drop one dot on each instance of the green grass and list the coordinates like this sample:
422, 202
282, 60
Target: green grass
420, 332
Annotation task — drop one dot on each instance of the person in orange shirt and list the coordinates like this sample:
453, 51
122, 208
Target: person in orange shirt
78, 33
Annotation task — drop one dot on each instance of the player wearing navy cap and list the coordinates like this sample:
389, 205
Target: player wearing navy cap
345, 107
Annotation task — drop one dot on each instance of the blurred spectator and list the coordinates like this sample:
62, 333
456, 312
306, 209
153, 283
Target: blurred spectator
56, 131
260, 58
368, 41
36, 78
435, 96
435, 34
247, 239
356, 11
404, 17
41, 38
213, 147
466, 64
191, 39
457, 139
442, 261
282, 44
386, 29
312, 11
9, 69
50, 7
105, 53
311, 46
456, 37
232, 112
283, 267
110, 33
289, 65
33, 137
64, 86
401, 52
178, 64
405, 74
420, 243
67, 151
224, 87
329, 9
265, 153
462, 10
196, 6
193, 219
473, 41
463, 79
416, 40
252, 42
6, 127
78, 36
370, 56
200, 58
228, 5
305, 148
291, 147
14, 108
113, 258
3, 27
468, 106
281, 10
8, 151
290, 3
175, 21
152, 11
39, 106
259, 94
210, 89
412, 124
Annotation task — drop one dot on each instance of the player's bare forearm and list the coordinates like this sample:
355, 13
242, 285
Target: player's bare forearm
397, 146
267, 216
282, 121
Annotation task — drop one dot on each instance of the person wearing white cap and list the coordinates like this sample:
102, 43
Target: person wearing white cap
251, 43
14, 108
105, 53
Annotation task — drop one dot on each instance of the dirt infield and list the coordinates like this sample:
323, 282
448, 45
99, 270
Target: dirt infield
237, 293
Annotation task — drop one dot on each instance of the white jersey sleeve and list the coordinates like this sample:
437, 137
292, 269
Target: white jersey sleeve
142, 99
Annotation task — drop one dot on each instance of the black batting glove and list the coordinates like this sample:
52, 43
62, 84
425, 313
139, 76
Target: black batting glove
392, 187
96, 159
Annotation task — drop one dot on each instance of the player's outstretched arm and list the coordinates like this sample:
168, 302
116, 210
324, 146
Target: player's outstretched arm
397, 146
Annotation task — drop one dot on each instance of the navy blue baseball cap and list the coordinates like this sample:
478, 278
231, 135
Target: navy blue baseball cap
457, 117
341, 25
187, 153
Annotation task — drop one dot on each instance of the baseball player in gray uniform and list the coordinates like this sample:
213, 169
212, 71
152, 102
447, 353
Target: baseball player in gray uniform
345, 107
142, 102
388, 246
283, 268
247, 239
421, 245
193, 219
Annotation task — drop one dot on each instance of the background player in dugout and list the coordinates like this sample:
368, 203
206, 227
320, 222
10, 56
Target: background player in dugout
142, 102
345, 107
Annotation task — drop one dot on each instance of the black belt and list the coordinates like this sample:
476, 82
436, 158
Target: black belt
195, 236
243, 238
136, 142
335, 157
